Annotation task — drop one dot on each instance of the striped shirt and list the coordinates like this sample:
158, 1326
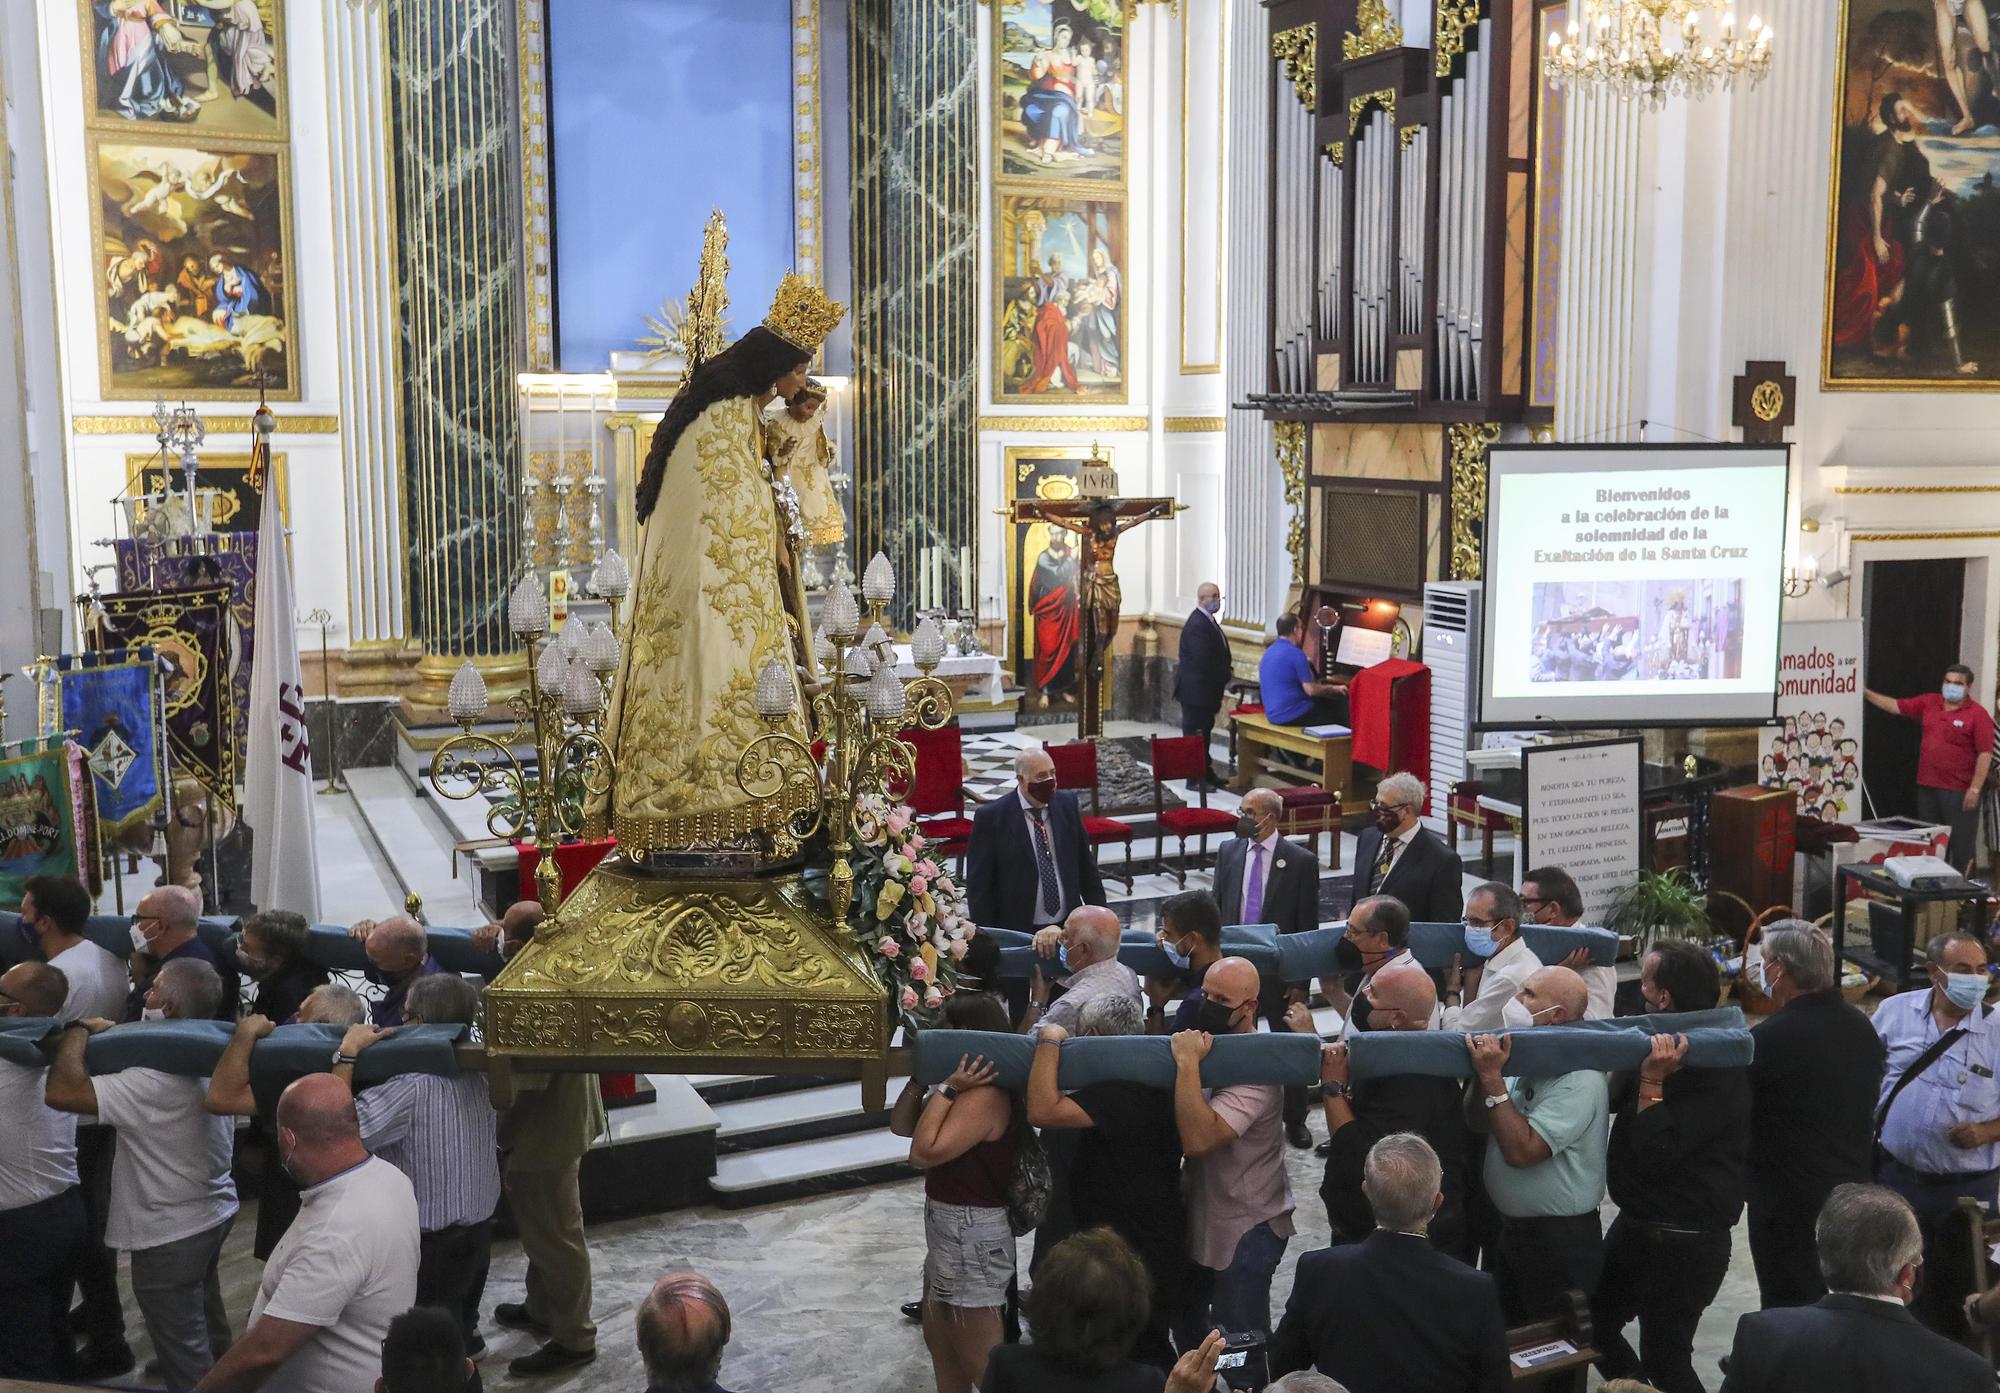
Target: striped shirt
438, 1131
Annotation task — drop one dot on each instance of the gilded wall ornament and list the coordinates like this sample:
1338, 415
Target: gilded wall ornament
1379, 31
1298, 50
1385, 98
1454, 17
1291, 439
1469, 444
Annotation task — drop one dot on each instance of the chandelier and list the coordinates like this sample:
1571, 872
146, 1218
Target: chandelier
1655, 49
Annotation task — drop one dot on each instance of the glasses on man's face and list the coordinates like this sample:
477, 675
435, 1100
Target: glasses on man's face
1380, 807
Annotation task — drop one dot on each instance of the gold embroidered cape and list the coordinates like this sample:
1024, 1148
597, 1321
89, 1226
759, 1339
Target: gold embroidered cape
708, 612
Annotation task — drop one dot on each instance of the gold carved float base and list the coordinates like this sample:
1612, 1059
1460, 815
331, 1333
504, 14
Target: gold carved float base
674, 975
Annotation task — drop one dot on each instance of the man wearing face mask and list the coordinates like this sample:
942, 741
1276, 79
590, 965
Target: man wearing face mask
1085, 949
1815, 1080
1359, 1113
1938, 1121
1377, 939
1858, 1339
1028, 864
1190, 934
1544, 1167
1397, 855
1486, 995
1952, 756
1549, 895
54, 911
1260, 878
172, 1198
1239, 1196
42, 1227
272, 950
398, 954
1679, 1138
164, 927
1203, 667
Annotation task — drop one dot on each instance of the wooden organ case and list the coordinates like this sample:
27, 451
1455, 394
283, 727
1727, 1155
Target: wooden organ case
1412, 192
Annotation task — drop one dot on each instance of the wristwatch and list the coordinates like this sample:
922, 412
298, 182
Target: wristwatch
340, 1058
1333, 1088
1494, 1100
948, 1091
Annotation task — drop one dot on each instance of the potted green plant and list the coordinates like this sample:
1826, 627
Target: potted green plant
1660, 905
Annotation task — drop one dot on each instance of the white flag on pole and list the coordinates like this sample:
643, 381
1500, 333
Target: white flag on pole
278, 794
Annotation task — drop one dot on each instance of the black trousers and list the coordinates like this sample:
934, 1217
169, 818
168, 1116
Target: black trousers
1539, 1261
1195, 721
1271, 1004
1947, 806
451, 1271
39, 1246
102, 1319
1785, 1253
1665, 1279
1940, 1301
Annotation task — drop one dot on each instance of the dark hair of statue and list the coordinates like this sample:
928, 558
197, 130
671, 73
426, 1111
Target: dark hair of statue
749, 367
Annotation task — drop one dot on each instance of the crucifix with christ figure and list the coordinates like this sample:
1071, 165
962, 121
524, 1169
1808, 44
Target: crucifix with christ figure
1098, 518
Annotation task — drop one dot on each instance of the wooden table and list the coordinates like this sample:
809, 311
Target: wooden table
1255, 734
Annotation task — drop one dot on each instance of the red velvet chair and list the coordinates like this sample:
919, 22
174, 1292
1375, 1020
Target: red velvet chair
1076, 769
937, 795
1185, 757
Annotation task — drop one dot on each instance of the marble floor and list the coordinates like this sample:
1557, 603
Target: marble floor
813, 1287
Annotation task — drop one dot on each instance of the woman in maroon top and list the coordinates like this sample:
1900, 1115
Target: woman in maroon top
963, 1136
1952, 757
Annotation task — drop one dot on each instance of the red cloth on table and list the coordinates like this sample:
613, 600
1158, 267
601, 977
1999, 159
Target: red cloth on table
574, 861
1392, 698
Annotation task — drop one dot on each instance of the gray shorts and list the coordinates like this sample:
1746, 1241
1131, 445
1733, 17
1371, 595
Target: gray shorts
968, 1255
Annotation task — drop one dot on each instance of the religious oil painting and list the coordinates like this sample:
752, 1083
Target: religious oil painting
1045, 616
1060, 90
238, 504
214, 67
1061, 290
1913, 296
193, 272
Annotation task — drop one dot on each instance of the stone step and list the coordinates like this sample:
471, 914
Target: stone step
811, 1114
416, 844
798, 1169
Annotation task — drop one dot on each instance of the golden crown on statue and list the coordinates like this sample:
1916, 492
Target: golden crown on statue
803, 315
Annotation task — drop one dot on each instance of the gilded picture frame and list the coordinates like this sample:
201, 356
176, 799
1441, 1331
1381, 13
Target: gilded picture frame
1052, 472
1059, 306
203, 68
1912, 301
1059, 90
193, 259
240, 507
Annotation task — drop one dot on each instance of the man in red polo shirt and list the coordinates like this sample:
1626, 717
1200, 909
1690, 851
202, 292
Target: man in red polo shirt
1956, 747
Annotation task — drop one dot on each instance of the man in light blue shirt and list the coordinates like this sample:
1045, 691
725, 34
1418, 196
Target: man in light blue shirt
1940, 1132
1292, 696
1544, 1167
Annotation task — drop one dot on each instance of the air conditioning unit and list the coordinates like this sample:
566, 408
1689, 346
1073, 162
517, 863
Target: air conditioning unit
1451, 650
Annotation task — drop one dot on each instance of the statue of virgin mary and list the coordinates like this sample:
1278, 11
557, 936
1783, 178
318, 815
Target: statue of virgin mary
715, 596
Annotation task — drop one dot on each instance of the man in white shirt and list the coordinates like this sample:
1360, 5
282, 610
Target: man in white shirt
54, 912
41, 1208
172, 1198
1086, 947
1549, 895
1479, 997
345, 1268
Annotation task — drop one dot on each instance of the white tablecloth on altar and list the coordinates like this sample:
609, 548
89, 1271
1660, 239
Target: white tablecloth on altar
981, 670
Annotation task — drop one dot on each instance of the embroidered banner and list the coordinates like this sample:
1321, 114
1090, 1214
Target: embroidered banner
190, 628
232, 562
107, 707
43, 798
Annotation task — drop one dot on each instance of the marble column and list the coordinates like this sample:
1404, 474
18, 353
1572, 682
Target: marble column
1256, 566
454, 131
365, 268
915, 124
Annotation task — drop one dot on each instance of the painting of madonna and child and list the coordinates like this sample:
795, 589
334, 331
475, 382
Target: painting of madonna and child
1914, 296
1060, 89
192, 277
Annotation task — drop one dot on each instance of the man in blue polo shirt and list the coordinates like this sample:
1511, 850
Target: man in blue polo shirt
1291, 695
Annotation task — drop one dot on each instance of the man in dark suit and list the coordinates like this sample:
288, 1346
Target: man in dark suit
1359, 1114
1203, 669
1027, 864
1391, 1313
1398, 856
1861, 1338
1814, 1081
1260, 878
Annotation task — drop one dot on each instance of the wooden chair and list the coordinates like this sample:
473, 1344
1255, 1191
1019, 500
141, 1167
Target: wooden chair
937, 794
1076, 769
1565, 1373
1185, 757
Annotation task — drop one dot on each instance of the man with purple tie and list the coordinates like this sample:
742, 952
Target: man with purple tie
1260, 878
